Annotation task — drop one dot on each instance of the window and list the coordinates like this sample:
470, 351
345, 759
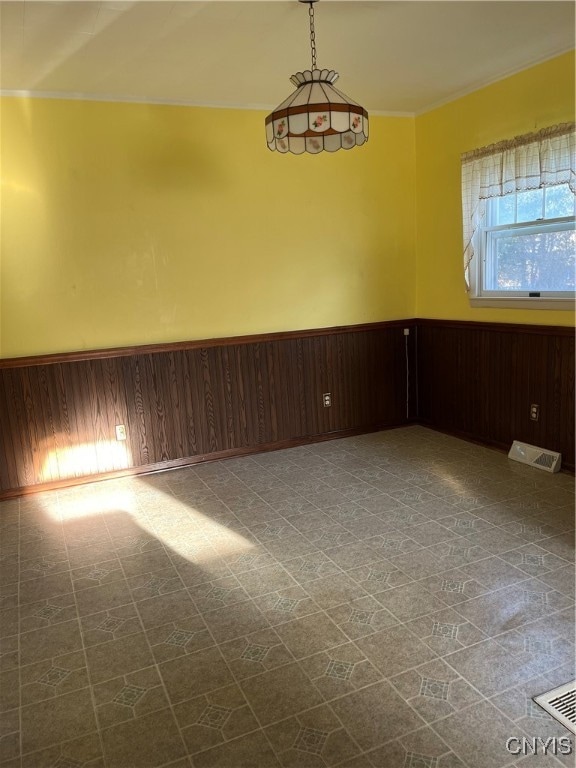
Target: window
528, 245
519, 205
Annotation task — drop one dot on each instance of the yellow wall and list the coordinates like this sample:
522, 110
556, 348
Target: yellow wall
133, 224
528, 101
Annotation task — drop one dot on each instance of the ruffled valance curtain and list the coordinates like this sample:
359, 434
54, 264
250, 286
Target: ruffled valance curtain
541, 159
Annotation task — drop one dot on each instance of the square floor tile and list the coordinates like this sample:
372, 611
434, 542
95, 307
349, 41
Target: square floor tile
57, 720
160, 610
533, 560
416, 565
214, 718
219, 593
546, 647
9, 690
311, 567
235, 621
494, 572
145, 742
419, 749
395, 650
495, 540
45, 613
334, 590
155, 583
9, 653
361, 617
315, 737
32, 569
83, 750
445, 631
310, 634
97, 574
491, 668
409, 601
118, 657
279, 693
129, 696
192, 573
10, 737
284, 549
286, 605
340, 670
194, 674
512, 606
97, 599
478, 735
375, 715
145, 562
434, 690
379, 576
255, 653
53, 677
179, 638
561, 580
110, 625
50, 641
251, 751
45, 587
429, 533
310, 521
561, 546
264, 580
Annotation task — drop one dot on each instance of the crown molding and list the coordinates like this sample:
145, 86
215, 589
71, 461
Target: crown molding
79, 96
106, 97
488, 81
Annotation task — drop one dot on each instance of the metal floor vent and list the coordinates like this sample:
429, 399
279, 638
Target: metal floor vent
550, 461
561, 704
545, 460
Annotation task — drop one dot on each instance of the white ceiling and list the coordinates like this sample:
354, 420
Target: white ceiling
402, 56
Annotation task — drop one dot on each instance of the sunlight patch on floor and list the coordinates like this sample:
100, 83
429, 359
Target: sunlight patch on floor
129, 506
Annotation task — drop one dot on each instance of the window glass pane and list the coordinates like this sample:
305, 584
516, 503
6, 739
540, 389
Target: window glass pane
530, 205
505, 208
559, 201
542, 261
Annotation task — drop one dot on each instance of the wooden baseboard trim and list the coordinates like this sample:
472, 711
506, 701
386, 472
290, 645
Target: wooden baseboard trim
500, 447
149, 469
189, 461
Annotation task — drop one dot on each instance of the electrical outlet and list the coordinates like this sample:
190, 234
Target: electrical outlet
534, 412
327, 399
120, 432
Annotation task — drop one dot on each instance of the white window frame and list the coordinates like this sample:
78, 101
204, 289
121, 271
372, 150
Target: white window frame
486, 235
543, 159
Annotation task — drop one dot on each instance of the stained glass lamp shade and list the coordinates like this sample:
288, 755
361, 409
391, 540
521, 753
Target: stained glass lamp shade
316, 117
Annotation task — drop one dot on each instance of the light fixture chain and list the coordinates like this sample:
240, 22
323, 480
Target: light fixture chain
312, 34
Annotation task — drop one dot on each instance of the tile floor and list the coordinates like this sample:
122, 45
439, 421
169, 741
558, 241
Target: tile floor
386, 601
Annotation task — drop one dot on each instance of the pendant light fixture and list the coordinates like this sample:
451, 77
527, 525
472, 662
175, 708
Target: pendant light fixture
316, 116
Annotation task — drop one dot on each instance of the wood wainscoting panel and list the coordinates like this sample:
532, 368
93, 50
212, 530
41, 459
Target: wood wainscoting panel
188, 402
181, 403
478, 380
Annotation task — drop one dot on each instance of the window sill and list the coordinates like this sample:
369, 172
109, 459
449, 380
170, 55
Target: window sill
523, 303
